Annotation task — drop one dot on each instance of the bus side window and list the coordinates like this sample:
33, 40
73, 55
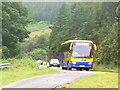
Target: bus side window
66, 55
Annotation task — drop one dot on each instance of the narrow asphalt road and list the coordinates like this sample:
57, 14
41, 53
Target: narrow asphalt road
53, 80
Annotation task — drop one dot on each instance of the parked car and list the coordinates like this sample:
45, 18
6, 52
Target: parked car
54, 62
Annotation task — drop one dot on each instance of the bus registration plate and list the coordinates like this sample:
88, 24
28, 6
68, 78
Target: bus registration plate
82, 65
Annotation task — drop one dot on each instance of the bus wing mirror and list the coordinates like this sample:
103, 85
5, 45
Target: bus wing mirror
95, 47
70, 48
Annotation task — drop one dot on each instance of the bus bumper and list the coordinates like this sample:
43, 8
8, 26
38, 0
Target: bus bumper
73, 64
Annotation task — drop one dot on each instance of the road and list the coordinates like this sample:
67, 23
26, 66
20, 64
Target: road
53, 80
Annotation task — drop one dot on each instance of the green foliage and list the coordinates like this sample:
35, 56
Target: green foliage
38, 54
15, 18
9, 60
20, 64
37, 47
88, 21
44, 11
5, 51
23, 64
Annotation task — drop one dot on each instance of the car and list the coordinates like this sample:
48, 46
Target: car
54, 62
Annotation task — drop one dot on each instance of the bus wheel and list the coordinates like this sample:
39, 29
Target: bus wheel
63, 68
69, 68
79, 69
87, 69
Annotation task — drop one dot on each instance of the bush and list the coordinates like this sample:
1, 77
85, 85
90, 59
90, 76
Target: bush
9, 60
38, 54
24, 63
20, 64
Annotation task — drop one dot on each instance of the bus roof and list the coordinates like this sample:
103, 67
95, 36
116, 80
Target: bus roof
70, 41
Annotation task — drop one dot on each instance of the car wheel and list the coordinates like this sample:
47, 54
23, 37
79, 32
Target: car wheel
63, 68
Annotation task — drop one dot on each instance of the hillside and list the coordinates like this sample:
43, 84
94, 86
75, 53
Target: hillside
38, 33
38, 26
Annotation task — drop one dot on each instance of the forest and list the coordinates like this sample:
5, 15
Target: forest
44, 11
96, 21
33, 31
88, 21
18, 21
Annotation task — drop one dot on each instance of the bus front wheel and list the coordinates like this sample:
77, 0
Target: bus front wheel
79, 69
63, 68
87, 69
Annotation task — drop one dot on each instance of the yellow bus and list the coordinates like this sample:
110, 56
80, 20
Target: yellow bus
77, 54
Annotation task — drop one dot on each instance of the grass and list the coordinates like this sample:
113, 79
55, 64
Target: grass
39, 33
13, 76
22, 69
0, 61
108, 80
38, 26
105, 68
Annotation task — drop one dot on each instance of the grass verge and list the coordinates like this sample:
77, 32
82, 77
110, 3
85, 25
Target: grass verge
105, 70
108, 80
22, 69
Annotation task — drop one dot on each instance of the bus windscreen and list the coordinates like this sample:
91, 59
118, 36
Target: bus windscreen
82, 50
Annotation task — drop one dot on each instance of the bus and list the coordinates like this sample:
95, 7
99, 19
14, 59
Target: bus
77, 54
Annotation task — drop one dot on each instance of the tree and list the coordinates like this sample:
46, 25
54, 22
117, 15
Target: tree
38, 54
92, 21
55, 37
15, 19
44, 11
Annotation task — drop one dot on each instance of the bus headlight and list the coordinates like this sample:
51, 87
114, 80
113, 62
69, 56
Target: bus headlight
90, 63
73, 62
